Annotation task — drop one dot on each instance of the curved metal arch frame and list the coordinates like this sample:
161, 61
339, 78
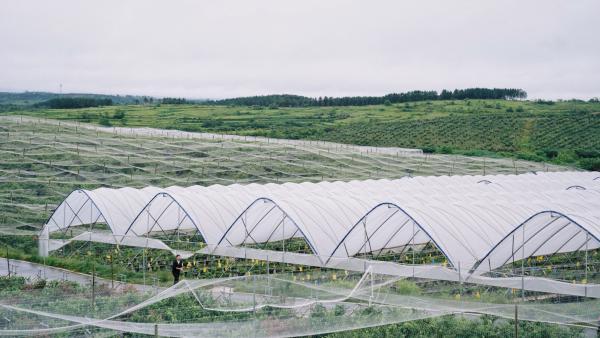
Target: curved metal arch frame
266, 199
393, 205
518, 227
174, 200
91, 201
112, 231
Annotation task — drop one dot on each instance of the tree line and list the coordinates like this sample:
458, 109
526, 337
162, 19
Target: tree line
86, 102
173, 100
74, 102
286, 100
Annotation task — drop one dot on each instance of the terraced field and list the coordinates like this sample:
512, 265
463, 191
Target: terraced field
503, 132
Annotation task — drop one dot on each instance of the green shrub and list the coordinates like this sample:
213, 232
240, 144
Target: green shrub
550, 153
405, 287
590, 164
339, 310
318, 311
119, 114
39, 284
104, 120
587, 153
12, 283
451, 326
529, 157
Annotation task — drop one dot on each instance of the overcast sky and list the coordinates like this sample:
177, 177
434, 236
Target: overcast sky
215, 49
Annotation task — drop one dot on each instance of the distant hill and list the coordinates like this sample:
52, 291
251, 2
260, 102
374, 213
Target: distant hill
273, 101
33, 98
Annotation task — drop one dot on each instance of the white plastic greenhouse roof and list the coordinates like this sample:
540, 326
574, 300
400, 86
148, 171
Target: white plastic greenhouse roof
468, 218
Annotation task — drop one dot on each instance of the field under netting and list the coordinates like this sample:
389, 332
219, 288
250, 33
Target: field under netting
44, 160
270, 272
285, 304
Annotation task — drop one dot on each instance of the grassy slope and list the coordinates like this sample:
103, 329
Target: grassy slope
524, 129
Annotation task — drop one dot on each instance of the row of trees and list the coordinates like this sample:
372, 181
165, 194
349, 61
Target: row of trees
173, 100
286, 100
483, 93
74, 102
412, 96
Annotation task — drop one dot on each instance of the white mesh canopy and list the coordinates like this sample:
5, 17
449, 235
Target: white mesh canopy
470, 219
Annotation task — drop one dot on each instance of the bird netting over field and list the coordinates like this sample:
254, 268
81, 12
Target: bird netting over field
271, 305
352, 239
44, 160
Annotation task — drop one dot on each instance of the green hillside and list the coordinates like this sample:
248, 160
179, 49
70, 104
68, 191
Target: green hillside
565, 132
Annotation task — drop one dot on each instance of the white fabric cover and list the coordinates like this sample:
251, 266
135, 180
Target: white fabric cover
469, 218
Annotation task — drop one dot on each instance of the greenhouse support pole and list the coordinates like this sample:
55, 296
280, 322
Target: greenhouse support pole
44, 264
93, 286
523, 265
460, 283
587, 239
254, 295
144, 265
484, 166
516, 321
144, 250
268, 277
156, 330
7, 262
112, 272
413, 249
283, 235
372, 296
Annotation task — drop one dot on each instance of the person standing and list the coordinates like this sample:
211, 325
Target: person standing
177, 268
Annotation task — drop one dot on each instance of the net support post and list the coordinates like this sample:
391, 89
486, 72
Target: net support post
516, 321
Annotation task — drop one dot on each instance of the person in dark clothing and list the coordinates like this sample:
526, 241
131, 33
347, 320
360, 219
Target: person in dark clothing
177, 268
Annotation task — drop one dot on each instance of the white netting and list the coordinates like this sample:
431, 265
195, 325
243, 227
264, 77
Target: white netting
45, 160
57, 157
273, 305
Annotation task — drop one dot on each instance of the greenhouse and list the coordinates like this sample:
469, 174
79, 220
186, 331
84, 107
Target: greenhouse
473, 225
